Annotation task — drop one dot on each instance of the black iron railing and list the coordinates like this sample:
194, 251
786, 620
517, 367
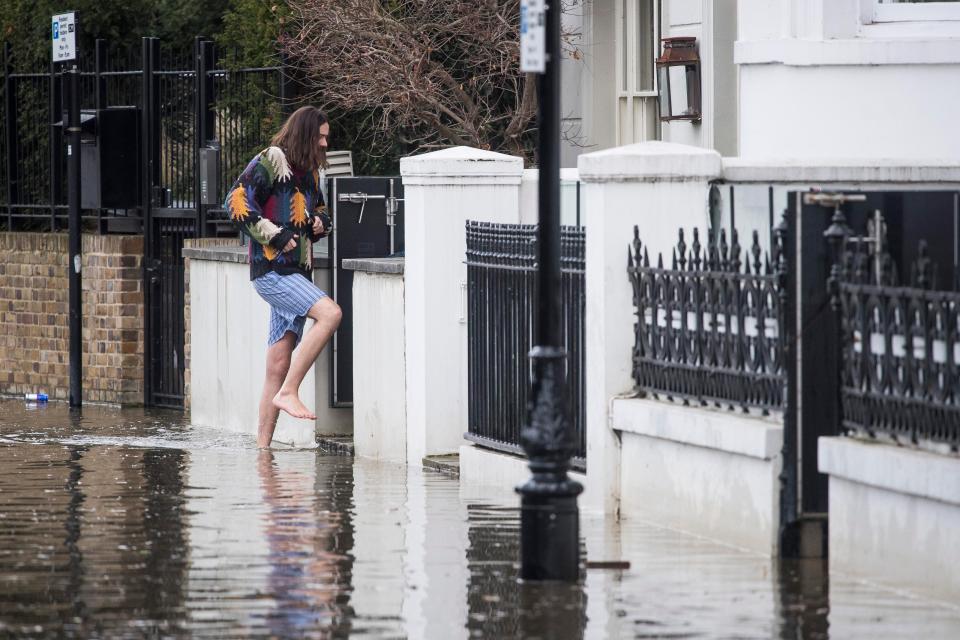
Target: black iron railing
501, 293
199, 95
900, 374
708, 328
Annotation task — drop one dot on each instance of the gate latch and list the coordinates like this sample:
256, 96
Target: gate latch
392, 203
152, 267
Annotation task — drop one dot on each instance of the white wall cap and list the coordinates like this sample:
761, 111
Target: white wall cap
915, 50
650, 161
841, 170
718, 429
886, 466
461, 162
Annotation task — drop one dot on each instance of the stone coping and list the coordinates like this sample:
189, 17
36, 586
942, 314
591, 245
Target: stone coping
886, 466
238, 254
720, 429
375, 265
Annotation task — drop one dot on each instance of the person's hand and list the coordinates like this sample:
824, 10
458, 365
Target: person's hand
291, 244
317, 225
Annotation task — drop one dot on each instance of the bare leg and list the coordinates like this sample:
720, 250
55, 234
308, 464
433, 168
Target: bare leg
326, 315
278, 363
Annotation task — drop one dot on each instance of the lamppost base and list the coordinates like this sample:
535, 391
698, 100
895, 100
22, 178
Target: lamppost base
550, 533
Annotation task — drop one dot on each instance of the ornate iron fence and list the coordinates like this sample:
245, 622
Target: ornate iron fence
501, 294
900, 372
709, 327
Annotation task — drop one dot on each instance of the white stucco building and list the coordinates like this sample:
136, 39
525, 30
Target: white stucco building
780, 78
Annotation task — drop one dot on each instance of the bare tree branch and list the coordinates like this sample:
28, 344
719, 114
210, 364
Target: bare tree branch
433, 73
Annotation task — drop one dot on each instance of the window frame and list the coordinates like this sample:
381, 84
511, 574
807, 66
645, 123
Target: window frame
915, 12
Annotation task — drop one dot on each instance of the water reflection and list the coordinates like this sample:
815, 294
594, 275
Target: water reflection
132, 524
305, 560
502, 606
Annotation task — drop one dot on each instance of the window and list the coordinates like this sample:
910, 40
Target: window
916, 10
637, 48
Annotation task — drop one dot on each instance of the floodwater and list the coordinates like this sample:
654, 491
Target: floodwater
133, 524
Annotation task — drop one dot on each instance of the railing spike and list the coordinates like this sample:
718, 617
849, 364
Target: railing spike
756, 251
695, 263
659, 261
923, 271
674, 263
724, 251
682, 250
636, 243
735, 252
646, 258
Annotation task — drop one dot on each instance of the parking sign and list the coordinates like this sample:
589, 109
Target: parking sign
63, 37
533, 41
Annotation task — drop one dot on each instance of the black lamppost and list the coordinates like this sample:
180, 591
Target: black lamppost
549, 520
71, 88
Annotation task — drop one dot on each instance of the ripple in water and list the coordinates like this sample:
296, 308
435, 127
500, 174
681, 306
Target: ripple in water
126, 524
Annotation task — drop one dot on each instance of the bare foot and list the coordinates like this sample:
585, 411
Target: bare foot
290, 403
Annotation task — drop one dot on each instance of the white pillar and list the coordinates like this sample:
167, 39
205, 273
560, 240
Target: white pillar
660, 187
442, 190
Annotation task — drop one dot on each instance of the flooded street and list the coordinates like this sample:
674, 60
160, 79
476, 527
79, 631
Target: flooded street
132, 524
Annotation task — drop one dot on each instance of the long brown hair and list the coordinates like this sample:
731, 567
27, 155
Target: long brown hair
299, 137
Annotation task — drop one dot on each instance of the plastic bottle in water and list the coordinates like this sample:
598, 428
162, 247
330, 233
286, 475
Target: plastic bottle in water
36, 397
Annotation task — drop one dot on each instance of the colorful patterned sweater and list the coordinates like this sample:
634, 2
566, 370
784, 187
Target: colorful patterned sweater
271, 202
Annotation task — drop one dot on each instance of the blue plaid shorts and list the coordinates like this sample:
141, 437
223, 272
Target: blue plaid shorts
290, 298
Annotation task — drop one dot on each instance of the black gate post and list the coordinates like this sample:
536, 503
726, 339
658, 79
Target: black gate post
203, 117
10, 130
836, 235
100, 66
549, 516
288, 86
100, 100
56, 143
789, 489
149, 57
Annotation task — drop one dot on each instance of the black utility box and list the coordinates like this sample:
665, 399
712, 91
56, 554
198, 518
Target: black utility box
109, 158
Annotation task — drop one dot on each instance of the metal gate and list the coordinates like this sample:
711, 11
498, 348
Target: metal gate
164, 338
191, 107
368, 223
885, 229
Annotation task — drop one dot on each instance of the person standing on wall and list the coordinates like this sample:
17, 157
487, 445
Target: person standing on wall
277, 203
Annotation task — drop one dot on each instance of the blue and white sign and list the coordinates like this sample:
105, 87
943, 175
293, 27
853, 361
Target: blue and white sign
533, 41
63, 37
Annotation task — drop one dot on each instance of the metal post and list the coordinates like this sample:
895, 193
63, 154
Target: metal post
10, 131
56, 143
100, 66
288, 88
72, 89
147, 167
786, 294
836, 235
100, 101
202, 109
549, 519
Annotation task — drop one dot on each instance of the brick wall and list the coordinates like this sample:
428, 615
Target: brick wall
34, 325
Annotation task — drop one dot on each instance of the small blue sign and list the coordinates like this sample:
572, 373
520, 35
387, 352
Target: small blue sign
56, 29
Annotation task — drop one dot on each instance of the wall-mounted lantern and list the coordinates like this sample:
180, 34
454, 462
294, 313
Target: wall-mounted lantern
678, 75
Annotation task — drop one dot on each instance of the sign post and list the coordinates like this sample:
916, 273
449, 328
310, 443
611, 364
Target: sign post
64, 50
549, 516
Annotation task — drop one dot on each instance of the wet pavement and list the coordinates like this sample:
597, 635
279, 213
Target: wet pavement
133, 524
